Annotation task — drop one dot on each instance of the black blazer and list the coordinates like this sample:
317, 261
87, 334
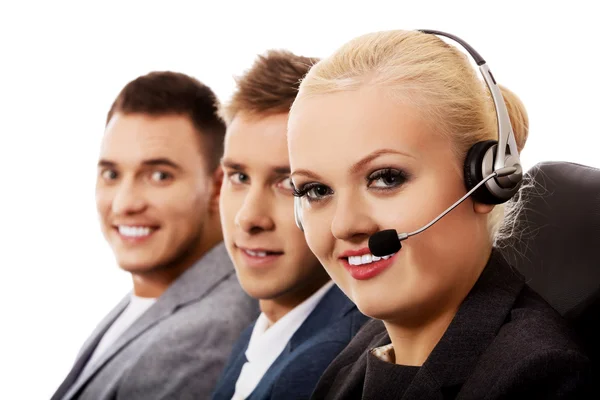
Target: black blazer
505, 342
295, 373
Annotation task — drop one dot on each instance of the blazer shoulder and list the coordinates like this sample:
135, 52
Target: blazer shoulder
227, 301
534, 326
549, 373
534, 354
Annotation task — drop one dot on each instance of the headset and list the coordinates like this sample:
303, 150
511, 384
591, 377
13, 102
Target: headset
483, 158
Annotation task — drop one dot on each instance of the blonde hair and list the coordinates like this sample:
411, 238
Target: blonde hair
428, 73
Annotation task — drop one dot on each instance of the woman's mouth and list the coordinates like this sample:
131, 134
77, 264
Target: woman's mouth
363, 265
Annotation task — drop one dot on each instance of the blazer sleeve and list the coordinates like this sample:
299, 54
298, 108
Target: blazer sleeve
552, 374
300, 377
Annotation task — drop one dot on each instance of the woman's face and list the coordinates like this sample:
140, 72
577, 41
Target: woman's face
366, 162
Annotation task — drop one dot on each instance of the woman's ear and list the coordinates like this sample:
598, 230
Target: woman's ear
481, 208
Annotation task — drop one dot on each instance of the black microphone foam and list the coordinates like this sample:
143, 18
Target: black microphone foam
384, 243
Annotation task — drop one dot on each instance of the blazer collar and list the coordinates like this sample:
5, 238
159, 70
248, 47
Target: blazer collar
473, 328
88, 349
332, 307
194, 284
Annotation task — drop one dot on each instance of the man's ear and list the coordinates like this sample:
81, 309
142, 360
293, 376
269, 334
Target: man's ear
217, 181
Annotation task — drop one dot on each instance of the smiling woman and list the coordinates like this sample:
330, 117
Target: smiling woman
407, 108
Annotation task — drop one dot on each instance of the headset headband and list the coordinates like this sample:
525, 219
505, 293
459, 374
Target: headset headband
505, 132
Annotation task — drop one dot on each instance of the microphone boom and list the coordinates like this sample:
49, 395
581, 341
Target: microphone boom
387, 242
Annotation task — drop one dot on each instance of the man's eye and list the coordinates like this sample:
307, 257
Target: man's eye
286, 184
239, 177
161, 176
109, 174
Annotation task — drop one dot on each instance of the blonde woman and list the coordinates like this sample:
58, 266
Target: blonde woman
386, 133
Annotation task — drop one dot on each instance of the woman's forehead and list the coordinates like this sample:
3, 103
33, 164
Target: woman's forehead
350, 124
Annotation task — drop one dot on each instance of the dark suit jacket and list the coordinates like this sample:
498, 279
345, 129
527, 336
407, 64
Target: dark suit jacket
177, 348
294, 374
505, 342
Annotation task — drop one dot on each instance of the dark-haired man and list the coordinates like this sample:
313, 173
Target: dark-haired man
157, 195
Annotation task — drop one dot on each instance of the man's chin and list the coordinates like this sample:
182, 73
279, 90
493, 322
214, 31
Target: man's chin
138, 264
138, 268
261, 291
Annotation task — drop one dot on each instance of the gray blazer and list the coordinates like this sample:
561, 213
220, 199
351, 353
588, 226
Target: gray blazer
177, 348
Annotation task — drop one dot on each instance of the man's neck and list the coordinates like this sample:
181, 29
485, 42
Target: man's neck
154, 283
276, 308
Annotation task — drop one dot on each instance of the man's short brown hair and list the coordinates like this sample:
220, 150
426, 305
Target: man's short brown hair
270, 85
166, 93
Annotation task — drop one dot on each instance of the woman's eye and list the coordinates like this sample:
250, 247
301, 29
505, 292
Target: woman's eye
317, 192
387, 178
160, 176
313, 191
238, 178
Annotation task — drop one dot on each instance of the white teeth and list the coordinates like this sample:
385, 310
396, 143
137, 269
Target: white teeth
355, 260
134, 231
366, 259
256, 253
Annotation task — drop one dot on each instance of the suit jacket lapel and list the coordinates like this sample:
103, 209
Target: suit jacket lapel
88, 348
333, 306
473, 328
192, 285
225, 387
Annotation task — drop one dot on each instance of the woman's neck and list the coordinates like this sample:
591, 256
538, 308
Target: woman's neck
414, 337
413, 344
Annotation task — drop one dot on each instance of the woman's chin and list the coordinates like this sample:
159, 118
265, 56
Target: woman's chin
376, 310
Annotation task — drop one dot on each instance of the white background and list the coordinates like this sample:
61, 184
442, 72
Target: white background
61, 65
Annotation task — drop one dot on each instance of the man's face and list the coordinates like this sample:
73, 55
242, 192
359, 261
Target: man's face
154, 192
269, 252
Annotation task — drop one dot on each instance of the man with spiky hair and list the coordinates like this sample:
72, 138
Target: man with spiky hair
306, 320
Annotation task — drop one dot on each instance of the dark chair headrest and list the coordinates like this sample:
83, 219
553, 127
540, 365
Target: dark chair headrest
556, 238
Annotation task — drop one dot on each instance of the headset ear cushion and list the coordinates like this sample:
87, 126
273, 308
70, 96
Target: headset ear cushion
473, 172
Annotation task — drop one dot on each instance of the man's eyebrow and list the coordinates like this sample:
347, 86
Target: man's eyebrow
306, 173
232, 165
281, 170
236, 166
150, 162
157, 162
106, 163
